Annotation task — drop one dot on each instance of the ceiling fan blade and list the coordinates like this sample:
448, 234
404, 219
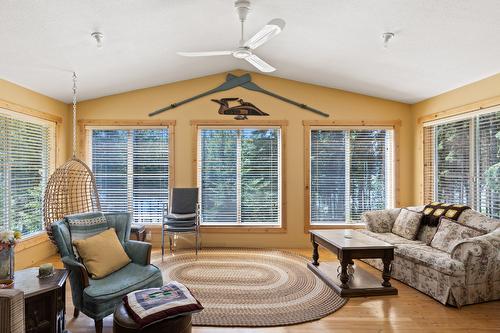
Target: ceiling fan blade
204, 53
274, 27
260, 64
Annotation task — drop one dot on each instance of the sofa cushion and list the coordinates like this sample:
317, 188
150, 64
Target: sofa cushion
449, 233
101, 296
407, 223
85, 225
430, 257
389, 237
102, 254
478, 221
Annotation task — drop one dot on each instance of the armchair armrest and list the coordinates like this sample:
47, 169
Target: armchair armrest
480, 255
78, 279
380, 220
139, 252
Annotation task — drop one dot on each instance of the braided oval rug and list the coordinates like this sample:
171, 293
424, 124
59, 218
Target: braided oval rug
251, 288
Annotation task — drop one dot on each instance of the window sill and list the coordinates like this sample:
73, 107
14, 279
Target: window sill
308, 226
242, 229
217, 228
31, 240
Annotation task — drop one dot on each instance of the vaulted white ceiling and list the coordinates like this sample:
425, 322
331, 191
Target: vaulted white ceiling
439, 44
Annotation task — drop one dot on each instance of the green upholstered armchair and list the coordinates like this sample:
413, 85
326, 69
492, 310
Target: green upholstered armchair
98, 298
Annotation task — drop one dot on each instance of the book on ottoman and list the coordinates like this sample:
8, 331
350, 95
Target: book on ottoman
154, 304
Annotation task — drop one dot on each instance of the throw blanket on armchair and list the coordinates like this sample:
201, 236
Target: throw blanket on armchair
434, 211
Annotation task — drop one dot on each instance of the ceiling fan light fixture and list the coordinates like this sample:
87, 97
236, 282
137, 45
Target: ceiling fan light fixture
98, 36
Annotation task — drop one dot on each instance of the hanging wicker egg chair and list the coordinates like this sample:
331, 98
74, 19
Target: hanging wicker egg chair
71, 188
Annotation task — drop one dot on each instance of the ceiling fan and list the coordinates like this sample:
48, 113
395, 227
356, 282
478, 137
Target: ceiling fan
245, 49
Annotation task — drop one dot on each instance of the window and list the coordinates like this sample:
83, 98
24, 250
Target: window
131, 168
26, 160
350, 172
462, 161
239, 174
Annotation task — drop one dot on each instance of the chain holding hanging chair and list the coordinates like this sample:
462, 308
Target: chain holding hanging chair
71, 188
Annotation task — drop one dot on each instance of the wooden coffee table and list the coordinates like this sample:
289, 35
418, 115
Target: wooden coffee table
352, 281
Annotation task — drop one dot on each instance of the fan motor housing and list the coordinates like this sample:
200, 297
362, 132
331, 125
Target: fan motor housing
242, 53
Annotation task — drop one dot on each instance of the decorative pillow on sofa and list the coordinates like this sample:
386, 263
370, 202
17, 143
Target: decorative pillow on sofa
82, 226
149, 305
102, 254
407, 223
450, 232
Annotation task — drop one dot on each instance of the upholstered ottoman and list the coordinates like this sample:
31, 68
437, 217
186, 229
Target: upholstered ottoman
123, 323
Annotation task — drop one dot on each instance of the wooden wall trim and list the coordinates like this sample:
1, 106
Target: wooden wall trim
282, 124
479, 105
30, 111
307, 125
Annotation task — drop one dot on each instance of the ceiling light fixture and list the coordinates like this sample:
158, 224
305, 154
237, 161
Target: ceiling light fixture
387, 36
98, 36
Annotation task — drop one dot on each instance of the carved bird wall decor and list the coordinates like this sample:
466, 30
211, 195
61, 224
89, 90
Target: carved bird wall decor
240, 111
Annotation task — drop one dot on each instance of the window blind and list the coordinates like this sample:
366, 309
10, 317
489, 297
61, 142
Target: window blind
26, 161
462, 161
239, 173
131, 167
351, 171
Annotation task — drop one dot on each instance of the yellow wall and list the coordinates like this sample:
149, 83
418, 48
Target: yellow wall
35, 249
339, 104
457, 100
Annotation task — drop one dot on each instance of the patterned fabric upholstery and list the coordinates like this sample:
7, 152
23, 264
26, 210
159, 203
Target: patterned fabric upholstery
83, 226
469, 274
380, 220
389, 237
450, 233
407, 223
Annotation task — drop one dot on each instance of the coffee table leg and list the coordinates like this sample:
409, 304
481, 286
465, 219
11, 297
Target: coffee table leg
386, 273
315, 255
344, 275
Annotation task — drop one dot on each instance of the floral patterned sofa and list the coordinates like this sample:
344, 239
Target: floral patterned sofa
469, 274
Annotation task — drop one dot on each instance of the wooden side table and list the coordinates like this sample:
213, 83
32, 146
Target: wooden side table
139, 231
44, 300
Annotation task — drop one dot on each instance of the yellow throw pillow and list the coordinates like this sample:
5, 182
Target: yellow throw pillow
102, 254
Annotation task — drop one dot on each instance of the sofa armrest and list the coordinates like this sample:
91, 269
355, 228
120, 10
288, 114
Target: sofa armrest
380, 220
139, 252
480, 255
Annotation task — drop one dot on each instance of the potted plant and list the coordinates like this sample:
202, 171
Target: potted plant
8, 240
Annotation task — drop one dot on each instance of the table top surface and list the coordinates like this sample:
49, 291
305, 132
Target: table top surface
358, 241
27, 281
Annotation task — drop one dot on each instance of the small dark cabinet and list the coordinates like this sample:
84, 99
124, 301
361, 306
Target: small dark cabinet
44, 300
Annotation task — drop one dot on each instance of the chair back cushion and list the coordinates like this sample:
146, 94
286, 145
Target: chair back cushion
85, 225
184, 200
102, 254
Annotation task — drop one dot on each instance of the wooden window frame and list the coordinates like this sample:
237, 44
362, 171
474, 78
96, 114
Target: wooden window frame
282, 124
440, 115
130, 124
37, 237
308, 125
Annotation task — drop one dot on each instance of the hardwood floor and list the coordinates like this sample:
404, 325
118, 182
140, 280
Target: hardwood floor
410, 311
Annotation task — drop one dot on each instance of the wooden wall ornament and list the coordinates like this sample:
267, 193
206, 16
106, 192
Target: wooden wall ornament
244, 81
240, 111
